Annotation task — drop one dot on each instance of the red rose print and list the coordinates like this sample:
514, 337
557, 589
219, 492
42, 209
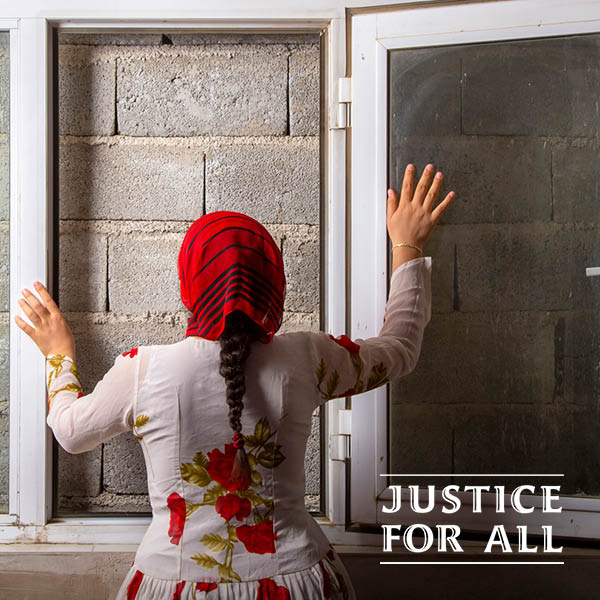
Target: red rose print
269, 590
131, 353
80, 394
134, 585
258, 539
346, 342
230, 505
219, 468
177, 592
205, 586
176, 505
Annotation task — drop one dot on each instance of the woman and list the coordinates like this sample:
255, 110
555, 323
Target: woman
223, 420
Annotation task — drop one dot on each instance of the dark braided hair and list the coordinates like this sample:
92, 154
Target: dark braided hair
236, 342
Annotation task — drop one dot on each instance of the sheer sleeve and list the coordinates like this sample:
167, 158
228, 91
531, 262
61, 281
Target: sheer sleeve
82, 421
344, 367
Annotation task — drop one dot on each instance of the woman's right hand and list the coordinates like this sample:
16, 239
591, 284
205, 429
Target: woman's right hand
412, 219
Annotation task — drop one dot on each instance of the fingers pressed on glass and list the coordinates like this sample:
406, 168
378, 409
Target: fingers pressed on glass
423, 183
441, 207
407, 184
433, 191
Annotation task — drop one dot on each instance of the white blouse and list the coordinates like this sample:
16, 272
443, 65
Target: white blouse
208, 531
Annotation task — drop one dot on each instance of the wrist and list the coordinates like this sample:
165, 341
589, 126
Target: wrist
402, 254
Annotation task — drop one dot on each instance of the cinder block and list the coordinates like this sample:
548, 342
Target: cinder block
312, 460
271, 182
496, 179
441, 247
5, 266
4, 177
98, 344
293, 321
553, 439
421, 442
4, 82
577, 355
79, 474
110, 39
142, 273
220, 90
105, 502
539, 87
575, 184
86, 104
425, 92
82, 271
130, 181
482, 357
124, 466
202, 38
304, 90
536, 266
302, 270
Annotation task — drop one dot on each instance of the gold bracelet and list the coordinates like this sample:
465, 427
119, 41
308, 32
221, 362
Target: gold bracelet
409, 245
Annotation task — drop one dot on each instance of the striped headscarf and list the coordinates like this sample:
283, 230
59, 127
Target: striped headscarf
228, 261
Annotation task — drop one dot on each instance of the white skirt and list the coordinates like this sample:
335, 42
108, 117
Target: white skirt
325, 580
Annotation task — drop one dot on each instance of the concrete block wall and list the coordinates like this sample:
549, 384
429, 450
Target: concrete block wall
508, 376
4, 272
156, 130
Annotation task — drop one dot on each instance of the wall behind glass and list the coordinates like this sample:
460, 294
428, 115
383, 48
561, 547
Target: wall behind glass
508, 379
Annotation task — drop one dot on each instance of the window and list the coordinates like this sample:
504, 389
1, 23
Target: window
507, 379
37, 222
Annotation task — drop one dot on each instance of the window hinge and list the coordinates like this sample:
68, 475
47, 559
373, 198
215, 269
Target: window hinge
340, 443
341, 112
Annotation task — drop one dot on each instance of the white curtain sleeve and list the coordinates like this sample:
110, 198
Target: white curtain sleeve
82, 421
343, 367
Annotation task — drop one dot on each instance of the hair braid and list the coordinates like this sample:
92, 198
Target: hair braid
236, 342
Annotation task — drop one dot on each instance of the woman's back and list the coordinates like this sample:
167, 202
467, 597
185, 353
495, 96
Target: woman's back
222, 528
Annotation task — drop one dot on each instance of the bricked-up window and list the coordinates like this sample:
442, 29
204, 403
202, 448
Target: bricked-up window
156, 130
508, 378
4, 262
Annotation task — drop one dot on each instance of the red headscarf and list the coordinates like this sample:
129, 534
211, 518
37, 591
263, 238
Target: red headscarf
228, 261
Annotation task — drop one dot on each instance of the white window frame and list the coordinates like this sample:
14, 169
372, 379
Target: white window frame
29, 519
373, 35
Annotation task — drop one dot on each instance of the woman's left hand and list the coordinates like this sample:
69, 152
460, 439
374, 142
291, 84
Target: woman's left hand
51, 332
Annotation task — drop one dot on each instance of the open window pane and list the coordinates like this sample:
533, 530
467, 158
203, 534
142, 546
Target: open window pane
508, 379
4, 265
157, 129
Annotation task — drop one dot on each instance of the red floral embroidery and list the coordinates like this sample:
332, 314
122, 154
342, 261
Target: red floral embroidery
269, 590
176, 505
177, 592
346, 342
233, 506
258, 539
80, 394
205, 586
131, 353
134, 585
219, 468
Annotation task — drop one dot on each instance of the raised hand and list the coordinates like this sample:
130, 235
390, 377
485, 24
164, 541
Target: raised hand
413, 218
51, 333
